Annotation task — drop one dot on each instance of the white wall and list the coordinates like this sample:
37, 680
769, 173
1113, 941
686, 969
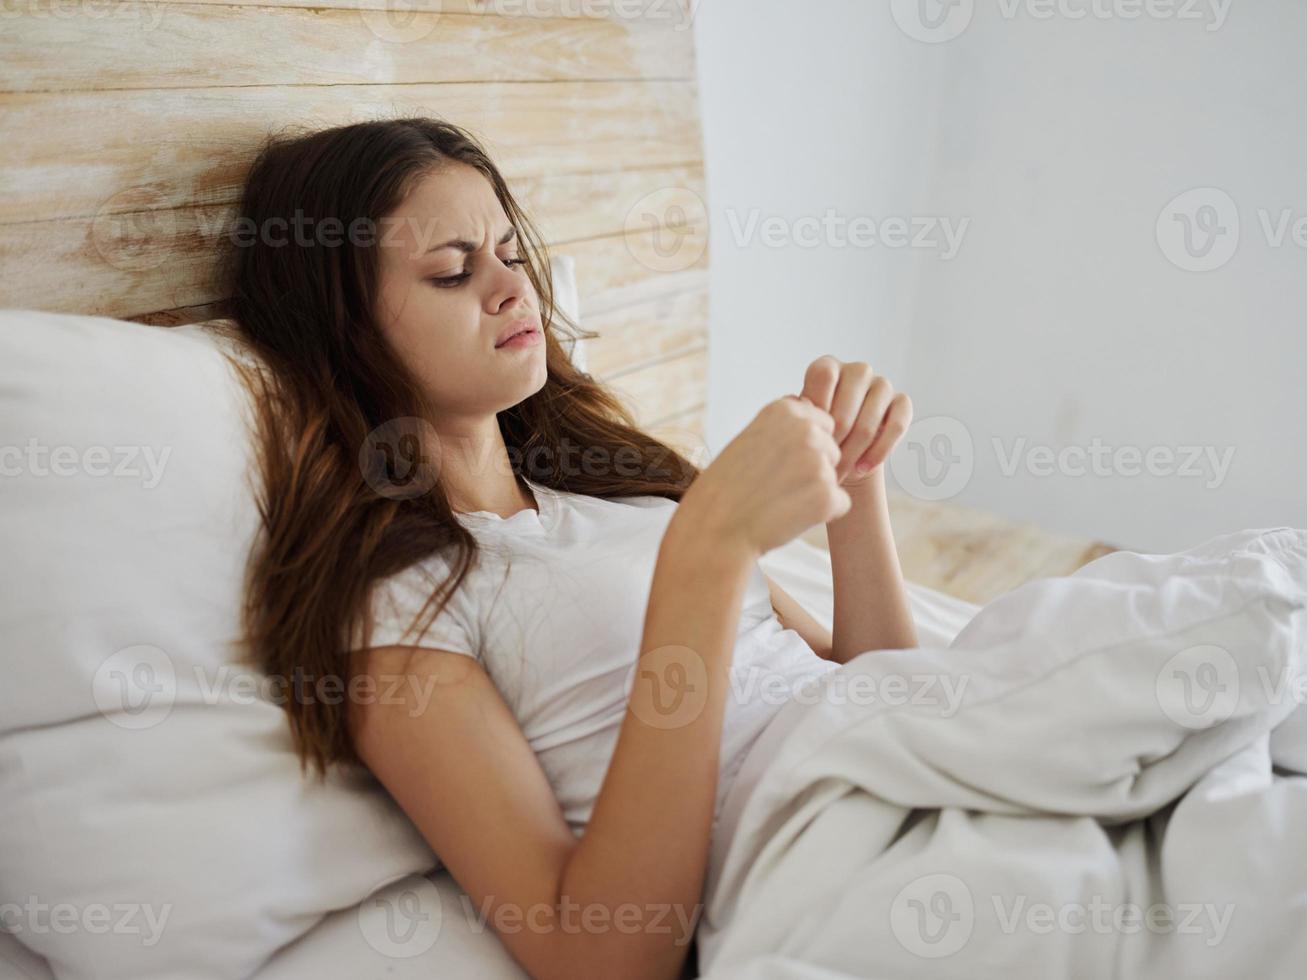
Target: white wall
1061, 322
790, 132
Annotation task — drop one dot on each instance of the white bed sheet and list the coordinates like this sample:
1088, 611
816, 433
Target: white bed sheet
424, 926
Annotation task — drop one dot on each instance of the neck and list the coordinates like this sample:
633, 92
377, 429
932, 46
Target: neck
475, 470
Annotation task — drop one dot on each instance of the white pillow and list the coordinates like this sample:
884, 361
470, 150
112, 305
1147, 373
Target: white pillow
149, 790
568, 301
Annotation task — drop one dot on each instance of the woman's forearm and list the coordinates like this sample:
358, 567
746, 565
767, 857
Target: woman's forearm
647, 841
871, 600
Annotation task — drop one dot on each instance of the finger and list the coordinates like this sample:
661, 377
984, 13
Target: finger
833, 454
866, 425
897, 419
819, 381
818, 415
855, 381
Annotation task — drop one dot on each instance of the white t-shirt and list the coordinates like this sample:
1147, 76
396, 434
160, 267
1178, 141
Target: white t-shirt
553, 608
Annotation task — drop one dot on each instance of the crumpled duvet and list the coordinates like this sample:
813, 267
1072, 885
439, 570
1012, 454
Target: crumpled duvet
1104, 775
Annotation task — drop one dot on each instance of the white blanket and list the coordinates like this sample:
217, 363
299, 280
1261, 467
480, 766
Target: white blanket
1102, 776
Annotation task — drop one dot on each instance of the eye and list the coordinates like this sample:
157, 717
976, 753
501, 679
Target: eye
446, 282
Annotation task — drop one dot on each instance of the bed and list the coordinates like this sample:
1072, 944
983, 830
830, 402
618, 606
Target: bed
455, 944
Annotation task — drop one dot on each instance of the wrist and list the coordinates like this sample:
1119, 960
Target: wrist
867, 494
695, 530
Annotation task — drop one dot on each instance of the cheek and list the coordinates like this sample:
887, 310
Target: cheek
434, 331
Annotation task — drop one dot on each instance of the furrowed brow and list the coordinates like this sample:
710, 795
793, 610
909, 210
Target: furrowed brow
463, 245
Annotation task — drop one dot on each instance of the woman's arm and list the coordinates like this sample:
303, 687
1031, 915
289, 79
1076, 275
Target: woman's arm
793, 616
871, 602
872, 611
648, 837
624, 899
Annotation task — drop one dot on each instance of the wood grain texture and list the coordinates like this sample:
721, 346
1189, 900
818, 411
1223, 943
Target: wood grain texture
972, 554
141, 263
150, 45
679, 13
124, 159
665, 389
87, 154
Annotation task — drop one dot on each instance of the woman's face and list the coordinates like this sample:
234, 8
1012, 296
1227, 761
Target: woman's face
444, 307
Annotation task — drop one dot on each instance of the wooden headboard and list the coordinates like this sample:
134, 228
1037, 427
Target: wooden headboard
128, 127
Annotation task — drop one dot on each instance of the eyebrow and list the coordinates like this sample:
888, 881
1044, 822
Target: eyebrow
463, 245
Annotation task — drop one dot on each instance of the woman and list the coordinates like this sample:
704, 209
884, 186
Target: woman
538, 616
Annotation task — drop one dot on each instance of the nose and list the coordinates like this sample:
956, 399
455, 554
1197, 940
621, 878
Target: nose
509, 287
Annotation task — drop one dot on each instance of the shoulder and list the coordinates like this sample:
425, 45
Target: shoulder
399, 603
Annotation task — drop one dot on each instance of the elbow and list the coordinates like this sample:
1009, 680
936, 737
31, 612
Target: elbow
596, 950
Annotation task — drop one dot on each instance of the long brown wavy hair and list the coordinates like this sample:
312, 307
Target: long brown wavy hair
323, 383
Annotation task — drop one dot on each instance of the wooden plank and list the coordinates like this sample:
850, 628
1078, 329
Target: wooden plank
572, 207
652, 330
605, 272
972, 554
141, 262
86, 153
619, 272
666, 388
151, 46
677, 12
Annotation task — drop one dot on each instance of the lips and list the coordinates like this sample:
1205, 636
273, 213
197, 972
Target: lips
524, 325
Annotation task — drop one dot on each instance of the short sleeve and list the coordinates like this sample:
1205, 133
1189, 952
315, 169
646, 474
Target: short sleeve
396, 602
